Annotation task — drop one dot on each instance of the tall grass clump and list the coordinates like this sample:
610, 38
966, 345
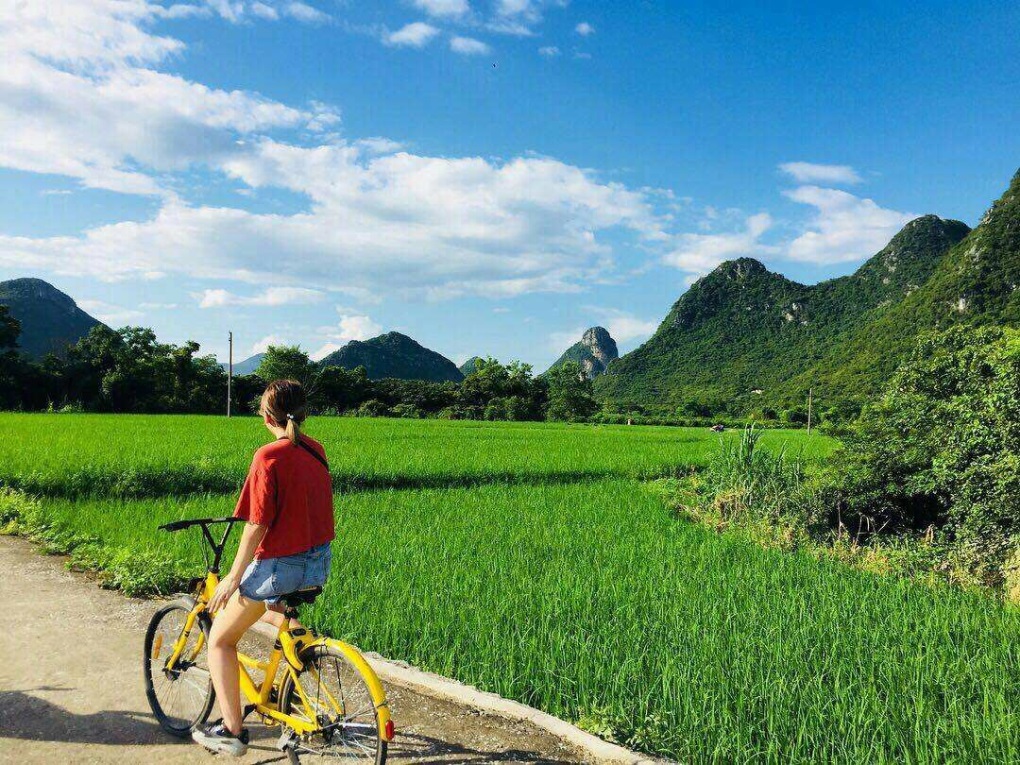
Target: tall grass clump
760, 491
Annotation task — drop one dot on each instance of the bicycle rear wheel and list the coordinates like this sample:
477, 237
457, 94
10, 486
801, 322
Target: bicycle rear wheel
333, 691
181, 695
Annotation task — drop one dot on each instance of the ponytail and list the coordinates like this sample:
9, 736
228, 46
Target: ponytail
293, 430
284, 404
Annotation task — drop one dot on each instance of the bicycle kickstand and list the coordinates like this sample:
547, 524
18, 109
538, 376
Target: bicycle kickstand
289, 743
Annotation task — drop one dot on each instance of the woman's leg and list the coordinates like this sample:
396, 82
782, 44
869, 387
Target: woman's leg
274, 615
228, 628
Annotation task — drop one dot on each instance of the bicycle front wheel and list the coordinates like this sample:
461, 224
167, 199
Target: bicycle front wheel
331, 693
180, 692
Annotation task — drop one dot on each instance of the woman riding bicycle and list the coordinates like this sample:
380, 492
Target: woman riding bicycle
287, 501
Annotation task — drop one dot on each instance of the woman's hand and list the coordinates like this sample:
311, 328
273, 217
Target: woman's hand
227, 587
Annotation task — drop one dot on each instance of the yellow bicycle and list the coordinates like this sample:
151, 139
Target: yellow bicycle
320, 692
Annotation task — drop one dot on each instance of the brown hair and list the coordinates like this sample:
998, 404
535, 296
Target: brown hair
284, 403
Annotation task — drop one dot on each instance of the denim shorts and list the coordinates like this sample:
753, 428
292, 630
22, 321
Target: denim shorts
269, 579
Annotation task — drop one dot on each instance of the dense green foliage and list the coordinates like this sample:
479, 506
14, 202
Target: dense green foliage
571, 395
742, 338
941, 449
395, 356
50, 320
124, 370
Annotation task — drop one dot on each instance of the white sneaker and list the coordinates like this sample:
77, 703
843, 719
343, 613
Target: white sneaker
216, 738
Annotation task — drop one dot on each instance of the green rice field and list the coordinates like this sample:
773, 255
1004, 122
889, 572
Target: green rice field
144, 455
541, 567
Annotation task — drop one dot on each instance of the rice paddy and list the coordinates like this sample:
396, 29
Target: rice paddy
572, 588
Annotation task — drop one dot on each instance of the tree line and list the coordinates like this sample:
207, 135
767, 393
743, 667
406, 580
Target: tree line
129, 370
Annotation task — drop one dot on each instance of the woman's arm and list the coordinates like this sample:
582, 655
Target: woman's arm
250, 539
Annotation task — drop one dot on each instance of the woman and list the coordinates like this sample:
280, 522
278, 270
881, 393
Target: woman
287, 501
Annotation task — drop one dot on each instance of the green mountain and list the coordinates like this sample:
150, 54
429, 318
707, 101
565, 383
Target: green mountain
394, 355
593, 352
975, 283
469, 366
247, 366
746, 336
50, 320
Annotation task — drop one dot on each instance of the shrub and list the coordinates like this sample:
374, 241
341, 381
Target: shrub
940, 451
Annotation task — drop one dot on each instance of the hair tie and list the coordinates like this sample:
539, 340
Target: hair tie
290, 416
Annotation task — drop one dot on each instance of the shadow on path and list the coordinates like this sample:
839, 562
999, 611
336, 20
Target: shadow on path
26, 716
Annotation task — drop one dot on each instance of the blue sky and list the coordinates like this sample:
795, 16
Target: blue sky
488, 177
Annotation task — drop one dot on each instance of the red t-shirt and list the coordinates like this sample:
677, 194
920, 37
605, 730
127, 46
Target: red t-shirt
289, 491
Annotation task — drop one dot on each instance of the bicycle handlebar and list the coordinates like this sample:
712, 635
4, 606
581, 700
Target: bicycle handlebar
187, 524
205, 523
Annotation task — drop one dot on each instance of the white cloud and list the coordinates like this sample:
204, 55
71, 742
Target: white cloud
443, 8
466, 225
76, 99
584, 29
549, 51
108, 313
264, 11
518, 17
157, 306
351, 327
262, 345
468, 46
415, 35
273, 296
378, 145
807, 172
700, 253
306, 13
844, 227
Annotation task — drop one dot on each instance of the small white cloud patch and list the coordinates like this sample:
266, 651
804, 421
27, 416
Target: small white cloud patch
468, 46
415, 35
808, 172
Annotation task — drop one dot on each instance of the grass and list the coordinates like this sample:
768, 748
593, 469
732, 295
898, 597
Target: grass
150, 456
532, 561
594, 602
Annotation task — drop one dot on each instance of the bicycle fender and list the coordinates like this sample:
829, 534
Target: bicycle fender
375, 686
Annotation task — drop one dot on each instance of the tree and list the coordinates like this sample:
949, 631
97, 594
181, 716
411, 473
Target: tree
571, 396
12, 366
489, 390
941, 449
287, 362
10, 328
341, 389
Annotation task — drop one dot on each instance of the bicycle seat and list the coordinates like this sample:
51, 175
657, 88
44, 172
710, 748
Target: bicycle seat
296, 598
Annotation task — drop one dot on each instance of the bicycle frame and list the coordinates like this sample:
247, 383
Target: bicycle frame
284, 656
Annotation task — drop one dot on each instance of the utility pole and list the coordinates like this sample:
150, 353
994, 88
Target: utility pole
809, 402
230, 372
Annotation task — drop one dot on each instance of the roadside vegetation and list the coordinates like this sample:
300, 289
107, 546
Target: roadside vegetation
926, 482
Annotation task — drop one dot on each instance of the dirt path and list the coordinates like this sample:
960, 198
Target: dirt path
71, 686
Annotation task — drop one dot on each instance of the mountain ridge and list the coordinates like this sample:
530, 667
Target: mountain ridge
50, 319
395, 355
743, 328
594, 352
